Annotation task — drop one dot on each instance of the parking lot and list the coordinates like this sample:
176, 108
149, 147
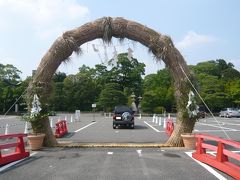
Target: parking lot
98, 128
116, 163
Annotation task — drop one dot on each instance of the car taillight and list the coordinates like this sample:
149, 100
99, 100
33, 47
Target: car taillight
114, 116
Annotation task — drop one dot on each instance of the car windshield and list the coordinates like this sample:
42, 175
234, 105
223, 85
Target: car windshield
121, 109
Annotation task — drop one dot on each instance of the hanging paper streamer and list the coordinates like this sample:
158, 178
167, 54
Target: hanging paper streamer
192, 106
115, 56
94, 48
130, 55
105, 54
36, 106
97, 51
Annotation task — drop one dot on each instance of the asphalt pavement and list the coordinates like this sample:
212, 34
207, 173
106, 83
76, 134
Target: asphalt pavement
115, 163
108, 163
96, 128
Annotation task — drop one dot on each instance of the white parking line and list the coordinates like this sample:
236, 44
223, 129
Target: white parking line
231, 124
210, 169
15, 162
85, 127
139, 151
217, 130
8, 117
216, 126
151, 127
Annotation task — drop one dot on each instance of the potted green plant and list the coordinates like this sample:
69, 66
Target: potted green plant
189, 139
35, 139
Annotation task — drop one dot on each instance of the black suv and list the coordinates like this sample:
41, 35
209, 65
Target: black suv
123, 115
201, 112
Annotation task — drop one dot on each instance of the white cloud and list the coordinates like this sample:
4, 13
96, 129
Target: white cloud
28, 28
42, 14
193, 39
45, 11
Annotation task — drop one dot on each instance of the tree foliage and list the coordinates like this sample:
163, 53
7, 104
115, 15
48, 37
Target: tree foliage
10, 88
217, 82
215, 79
111, 96
158, 91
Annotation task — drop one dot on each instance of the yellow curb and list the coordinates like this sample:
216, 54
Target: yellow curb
111, 145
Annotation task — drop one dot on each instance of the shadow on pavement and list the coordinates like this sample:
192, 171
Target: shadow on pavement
136, 127
22, 163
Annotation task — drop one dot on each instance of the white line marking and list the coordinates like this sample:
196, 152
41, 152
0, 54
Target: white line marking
234, 130
139, 151
232, 124
210, 169
11, 117
217, 126
110, 153
85, 127
151, 127
15, 162
212, 153
143, 164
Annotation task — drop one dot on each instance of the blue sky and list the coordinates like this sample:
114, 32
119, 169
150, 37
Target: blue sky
201, 29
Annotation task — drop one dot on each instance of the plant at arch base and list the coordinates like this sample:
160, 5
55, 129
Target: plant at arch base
36, 116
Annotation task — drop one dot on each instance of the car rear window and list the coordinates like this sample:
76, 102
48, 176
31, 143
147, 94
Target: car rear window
121, 109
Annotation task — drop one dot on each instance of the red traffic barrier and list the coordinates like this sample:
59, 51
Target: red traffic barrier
170, 127
222, 159
65, 126
61, 128
19, 153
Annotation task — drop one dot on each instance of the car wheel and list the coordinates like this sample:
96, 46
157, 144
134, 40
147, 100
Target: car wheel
126, 116
114, 126
132, 126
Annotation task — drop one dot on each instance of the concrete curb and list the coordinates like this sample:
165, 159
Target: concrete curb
110, 145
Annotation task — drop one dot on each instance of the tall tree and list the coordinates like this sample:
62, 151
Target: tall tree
80, 92
230, 74
59, 77
128, 73
111, 96
158, 92
223, 65
58, 95
9, 80
208, 67
233, 91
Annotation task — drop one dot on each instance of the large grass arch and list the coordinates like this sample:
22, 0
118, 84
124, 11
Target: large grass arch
106, 28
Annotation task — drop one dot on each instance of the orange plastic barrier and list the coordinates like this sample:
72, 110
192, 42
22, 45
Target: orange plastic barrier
19, 153
61, 128
221, 160
170, 127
